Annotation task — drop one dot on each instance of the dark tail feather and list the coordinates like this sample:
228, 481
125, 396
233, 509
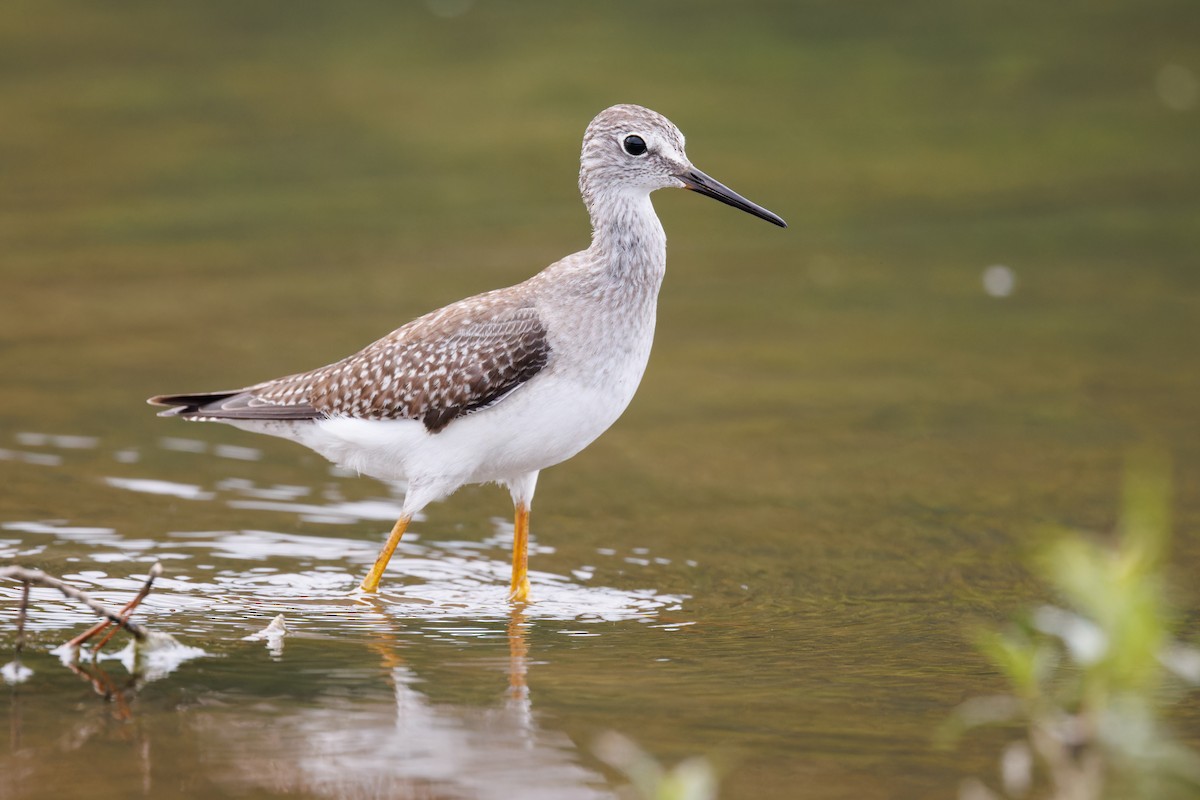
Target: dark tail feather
237, 404
184, 405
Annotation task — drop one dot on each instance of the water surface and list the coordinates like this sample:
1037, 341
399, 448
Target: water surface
845, 445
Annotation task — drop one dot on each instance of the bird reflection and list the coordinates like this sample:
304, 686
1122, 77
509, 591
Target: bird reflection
318, 729
432, 749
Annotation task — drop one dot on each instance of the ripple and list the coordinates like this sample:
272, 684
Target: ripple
424, 583
40, 459
250, 489
335, 513
222, 579
65, 442
185, 491
60, 528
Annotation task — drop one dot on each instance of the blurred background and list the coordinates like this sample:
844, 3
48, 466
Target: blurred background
849, 434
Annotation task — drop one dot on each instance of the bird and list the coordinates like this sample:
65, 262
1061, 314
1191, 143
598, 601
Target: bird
499, 386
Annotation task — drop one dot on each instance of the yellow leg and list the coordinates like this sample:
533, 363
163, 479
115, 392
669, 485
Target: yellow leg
520, 574
371, 582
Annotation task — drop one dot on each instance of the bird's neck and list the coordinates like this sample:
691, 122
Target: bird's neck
628, 238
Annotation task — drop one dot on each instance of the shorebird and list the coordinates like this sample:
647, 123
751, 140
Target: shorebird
496, 387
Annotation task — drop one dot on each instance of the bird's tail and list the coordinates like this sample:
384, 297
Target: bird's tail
189, 405
239, 404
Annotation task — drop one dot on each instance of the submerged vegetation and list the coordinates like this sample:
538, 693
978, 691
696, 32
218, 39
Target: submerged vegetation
1089, 679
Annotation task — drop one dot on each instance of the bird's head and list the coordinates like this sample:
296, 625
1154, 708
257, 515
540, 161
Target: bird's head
631, 149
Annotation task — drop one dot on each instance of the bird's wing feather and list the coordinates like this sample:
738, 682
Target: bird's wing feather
460, 359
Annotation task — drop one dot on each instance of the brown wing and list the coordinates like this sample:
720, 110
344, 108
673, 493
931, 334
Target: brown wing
435, 369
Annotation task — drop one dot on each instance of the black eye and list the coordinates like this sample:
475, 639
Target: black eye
635, 145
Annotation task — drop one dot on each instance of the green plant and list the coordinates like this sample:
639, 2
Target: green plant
691, 779
1090, 677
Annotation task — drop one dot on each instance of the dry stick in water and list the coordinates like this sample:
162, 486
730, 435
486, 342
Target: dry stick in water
125, 613
32, 576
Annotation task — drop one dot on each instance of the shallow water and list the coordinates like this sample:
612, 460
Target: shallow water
850, 435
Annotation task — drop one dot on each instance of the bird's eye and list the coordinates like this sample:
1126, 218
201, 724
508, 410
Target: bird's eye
635, 145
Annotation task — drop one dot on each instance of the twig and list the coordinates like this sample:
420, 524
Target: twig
31, 576
125, 613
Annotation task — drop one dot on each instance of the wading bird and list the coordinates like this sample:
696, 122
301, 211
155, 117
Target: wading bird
499, 386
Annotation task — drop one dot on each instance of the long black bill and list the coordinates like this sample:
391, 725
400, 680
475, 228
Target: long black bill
697, 181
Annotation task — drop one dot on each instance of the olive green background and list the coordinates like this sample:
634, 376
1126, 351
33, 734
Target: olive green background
843, 448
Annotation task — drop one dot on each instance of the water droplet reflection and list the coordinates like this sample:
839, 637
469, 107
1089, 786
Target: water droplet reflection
999, 280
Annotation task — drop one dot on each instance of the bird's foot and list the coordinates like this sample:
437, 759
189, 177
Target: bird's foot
519, 592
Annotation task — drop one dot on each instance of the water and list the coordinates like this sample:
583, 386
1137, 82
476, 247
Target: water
850, 434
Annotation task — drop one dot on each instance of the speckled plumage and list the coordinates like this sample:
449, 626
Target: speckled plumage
501, 385
448, 363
